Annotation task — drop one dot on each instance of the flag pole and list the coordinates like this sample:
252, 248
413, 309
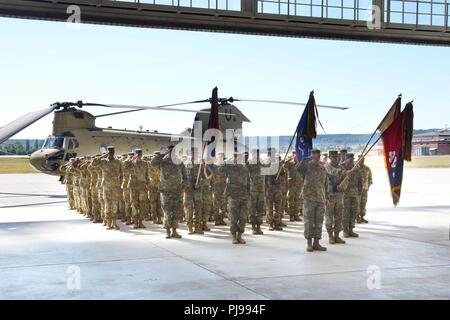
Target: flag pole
200, 167
373, 134
285, 156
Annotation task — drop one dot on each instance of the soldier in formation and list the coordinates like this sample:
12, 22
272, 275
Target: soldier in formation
134, 188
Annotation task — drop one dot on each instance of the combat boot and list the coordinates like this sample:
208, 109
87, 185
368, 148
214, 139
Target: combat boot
358, 220
175, 234
271, 228
297, 218
258, 230
254, 229
317, 246
128, 222
222, 222
278, 227
190, 230
235, 240
353, 234
158, 220
217, 223
282, 224
337, 239
346, 233
205, 226
364, 220
168, 236
141, 225
331, 237
239, 239
309, 246
198, 229
136, 224
291, 218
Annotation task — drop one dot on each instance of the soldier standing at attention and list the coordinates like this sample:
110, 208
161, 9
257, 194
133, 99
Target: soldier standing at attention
294, 187
351, 198
284, 190
96, 211
137, 184
170, 190
153, 193
126, 172
65, 169
111, 178
274, 199
237, 181
333, 212
257, 184
207, 200
193, 196
366, 183
220, 199
315, 198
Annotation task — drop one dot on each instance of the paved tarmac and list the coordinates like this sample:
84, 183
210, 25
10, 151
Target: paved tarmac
48, 252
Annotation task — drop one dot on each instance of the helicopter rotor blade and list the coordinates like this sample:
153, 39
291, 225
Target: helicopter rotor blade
141, 108
21, 123
288, 103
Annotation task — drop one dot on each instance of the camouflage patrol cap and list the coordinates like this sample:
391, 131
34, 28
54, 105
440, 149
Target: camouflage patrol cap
124, 155
138, 151
333, 153
130, 154
315, 151
111, 148
170, 146
343, 151
350, 156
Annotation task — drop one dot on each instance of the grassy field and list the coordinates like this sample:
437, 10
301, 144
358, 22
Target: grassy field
15, 165
417, 162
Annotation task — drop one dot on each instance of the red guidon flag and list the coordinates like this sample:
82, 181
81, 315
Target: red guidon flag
396, 148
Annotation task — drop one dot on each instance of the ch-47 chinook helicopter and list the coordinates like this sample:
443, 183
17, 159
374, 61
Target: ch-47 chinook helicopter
75, 133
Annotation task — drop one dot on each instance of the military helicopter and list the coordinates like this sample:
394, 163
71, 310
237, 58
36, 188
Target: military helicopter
75, 133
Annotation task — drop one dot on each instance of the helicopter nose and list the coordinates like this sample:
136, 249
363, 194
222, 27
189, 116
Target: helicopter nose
37, 159
46, 160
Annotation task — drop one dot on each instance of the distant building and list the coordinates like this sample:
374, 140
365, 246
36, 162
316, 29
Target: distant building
432, 143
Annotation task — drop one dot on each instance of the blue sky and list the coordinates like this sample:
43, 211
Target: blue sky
43, 62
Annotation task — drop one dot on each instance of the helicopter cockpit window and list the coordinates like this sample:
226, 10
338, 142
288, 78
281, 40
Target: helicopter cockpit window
54, 142
73, 144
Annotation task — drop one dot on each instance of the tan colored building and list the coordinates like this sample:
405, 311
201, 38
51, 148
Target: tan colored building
432, 143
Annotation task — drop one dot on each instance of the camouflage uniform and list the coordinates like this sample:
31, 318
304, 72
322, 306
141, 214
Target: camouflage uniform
284, 191
85, 184
111, 180
170, 188
274, 202
153, 194
257, 192
76, 186
126, 193
65, 169
237, 182
333, 213
295, 183
315, 193
96, 207
220, 198
137, 184
366, 174
352, 197
193, 198
207, 202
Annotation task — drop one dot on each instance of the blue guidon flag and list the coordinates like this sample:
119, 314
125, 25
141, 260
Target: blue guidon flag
306, 129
